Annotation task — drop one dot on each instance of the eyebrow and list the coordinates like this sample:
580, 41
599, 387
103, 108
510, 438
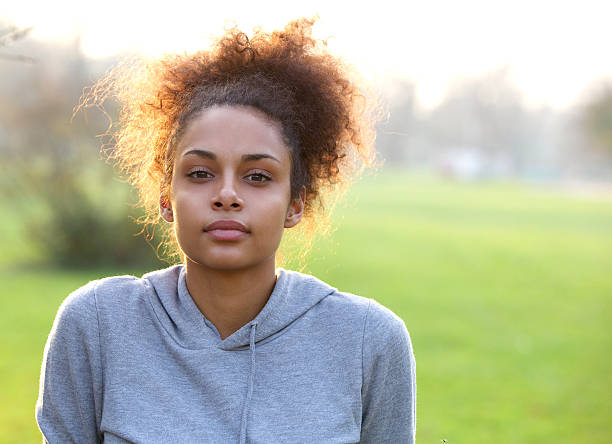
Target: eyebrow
245, 157
201, 153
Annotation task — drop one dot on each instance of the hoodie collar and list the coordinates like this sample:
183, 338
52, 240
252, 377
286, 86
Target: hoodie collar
293, 295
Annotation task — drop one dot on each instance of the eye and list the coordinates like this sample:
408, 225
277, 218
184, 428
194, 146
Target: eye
258, 177
200, 174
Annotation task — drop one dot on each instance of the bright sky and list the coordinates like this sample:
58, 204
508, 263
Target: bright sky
555, 49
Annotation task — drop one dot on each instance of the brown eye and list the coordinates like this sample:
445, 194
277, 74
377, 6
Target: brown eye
200, 174
258, 177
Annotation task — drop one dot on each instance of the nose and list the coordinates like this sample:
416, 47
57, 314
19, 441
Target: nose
227, 196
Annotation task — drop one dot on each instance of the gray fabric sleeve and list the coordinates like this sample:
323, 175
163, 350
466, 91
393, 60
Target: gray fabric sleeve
68, 409
389, 379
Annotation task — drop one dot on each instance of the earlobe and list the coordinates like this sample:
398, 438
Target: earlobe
296, 210
165, 210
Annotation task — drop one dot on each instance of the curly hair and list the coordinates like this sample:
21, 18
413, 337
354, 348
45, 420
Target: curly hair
326, 115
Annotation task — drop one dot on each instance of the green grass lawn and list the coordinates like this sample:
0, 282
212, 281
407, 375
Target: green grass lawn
505, 289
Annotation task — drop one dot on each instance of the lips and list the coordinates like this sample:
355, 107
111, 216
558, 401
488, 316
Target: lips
226, 225
226, 230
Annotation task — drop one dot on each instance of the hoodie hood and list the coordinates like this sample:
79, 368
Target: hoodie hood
293, 295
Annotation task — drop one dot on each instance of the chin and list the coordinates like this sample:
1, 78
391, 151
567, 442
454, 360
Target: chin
226, 262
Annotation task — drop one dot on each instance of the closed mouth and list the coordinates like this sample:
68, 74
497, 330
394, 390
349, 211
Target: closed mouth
231, 225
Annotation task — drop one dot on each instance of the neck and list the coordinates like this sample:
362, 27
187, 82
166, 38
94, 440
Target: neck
230, 298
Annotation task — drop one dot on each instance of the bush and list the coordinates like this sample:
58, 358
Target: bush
79, 225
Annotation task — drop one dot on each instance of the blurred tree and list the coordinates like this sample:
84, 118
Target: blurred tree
597, 118
485, 114
9, 35
481, 119
396, 134
484, 120
73, 209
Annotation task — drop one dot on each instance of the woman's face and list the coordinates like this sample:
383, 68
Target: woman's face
230, 197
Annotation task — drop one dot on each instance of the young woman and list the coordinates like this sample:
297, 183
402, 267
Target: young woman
231, 146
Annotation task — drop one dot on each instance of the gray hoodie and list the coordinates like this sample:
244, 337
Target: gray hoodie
133, 360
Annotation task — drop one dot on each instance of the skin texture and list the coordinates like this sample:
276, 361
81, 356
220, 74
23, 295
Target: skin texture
231, 164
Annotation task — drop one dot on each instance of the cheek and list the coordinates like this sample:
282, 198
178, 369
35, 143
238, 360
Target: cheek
187, 212
269, 215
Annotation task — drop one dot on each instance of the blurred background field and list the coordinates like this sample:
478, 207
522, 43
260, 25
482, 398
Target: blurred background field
505, 289
489, 229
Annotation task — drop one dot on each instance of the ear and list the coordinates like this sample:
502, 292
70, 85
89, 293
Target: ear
295, 210
165, 209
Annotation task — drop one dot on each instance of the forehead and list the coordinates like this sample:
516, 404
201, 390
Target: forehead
234, 130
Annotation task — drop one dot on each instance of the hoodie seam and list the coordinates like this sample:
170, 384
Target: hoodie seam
365, 322
102, 364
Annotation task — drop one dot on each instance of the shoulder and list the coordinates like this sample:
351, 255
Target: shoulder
386, 338
114, 293
383, 334
382, 321
377, 318
348, 304
87, 297
79, 310
381, 329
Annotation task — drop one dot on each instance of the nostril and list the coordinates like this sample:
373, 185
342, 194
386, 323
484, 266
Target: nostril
218, 204
235, 205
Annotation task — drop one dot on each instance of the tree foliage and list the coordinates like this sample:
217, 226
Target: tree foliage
73, 209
